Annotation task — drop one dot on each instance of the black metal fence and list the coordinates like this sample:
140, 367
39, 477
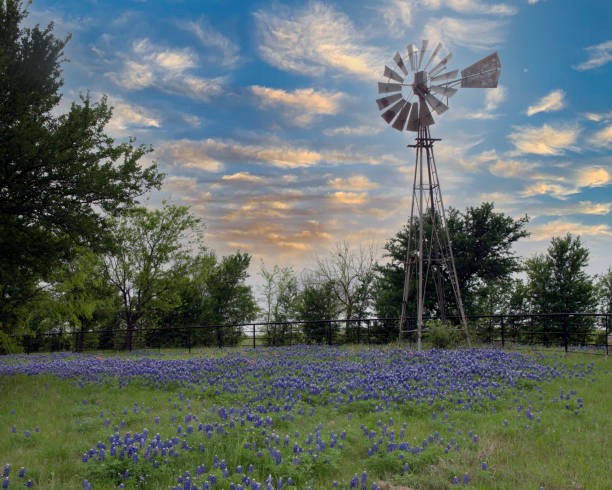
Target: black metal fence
588, 332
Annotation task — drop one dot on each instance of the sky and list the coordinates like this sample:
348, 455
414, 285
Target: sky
263, 115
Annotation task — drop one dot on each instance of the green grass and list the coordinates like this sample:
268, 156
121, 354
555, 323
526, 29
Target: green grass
562, 451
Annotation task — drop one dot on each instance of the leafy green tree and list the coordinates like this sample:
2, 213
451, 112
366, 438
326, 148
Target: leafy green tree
482, 247
58, 174
213, 293
316, 301
80, 296
558, 283
604, 291
148, 260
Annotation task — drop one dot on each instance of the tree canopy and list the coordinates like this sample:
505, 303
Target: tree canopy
59, 174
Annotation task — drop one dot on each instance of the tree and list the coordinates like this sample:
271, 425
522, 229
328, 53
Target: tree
558, 283
351, 275
79, 294
148, 259
604, 291
316, 301
280, 290
58, 174
482, 242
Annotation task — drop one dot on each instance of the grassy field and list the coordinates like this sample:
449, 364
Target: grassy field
307, 417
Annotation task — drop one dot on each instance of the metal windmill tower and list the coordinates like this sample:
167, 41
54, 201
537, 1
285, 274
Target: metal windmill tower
436, 260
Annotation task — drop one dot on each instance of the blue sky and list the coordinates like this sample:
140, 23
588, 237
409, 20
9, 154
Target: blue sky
262, 113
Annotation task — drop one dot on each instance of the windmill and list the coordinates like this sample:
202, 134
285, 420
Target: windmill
413, 112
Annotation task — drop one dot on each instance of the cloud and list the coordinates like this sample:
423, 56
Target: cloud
475, 34
493, 98
314, 40
165, 69
221, 47
511, 168
545, 140
583, 207
471, 6
598, 117
559, 191
354, 130
180, 184
554, 101
398, 14
126, 115
602, 137
560, 227
301, 105
599, 55
243, 177
350, 197
593, 177
209, 154
354, 183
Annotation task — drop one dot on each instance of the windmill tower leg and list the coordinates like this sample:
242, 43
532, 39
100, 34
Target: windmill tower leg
438, 258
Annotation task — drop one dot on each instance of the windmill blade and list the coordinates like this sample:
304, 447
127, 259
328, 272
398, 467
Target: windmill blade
389, 73
425, 117
400, 63
400, 122
433, 55
412, 51
385, 88
387, 101
482, 74
447, 92
440, 66
413, 120
446, 76
424, 44
436, 104
390, 114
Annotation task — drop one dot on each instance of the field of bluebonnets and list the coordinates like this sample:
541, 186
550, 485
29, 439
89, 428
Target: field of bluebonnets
305, 417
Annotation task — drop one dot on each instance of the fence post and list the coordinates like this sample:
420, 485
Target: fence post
503, 340
329, 333
253, 336
189, 338
565, 340
368, 324
606, 341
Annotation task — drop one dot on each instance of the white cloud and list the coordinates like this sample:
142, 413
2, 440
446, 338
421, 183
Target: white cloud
180, 184
126, 115
554, 101
603, 137
593, 177
468, 33
314, 40
511, 168
399, 14
243, 177
301, 106
149, 65
350, 197
210, 154
583, 207
560, 227
545, 140
493, 98
354, 183
599, 55
221, 47
354, 130
559, 191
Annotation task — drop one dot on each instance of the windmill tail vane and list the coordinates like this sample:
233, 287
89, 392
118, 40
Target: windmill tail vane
408, 103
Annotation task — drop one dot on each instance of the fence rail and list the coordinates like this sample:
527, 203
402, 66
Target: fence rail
588, 332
